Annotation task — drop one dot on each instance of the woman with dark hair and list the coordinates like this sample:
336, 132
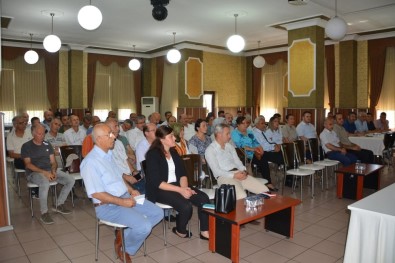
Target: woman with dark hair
167, 183
181, 144
245, 139
200, 140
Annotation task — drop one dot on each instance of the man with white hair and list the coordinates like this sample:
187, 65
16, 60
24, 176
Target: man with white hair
227, 167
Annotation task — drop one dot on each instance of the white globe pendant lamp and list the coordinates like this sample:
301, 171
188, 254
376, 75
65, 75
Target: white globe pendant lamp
134, 64
336, 28
259, 61
90, 17
173, 56
31, 56
235, 43
52, 42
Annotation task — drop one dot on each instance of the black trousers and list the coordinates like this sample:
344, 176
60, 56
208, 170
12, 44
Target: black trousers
184, 207
19, 163
263, 163
366, 156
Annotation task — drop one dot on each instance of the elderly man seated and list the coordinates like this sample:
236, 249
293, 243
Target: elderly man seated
227, 167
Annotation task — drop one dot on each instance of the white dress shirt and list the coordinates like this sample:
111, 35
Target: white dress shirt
222, 161
306, 130
134, 137
328, 136
74, 138
141, 149
189, 131
120, 157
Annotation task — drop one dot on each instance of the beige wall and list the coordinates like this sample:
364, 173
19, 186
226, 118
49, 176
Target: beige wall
362, 75
226, 75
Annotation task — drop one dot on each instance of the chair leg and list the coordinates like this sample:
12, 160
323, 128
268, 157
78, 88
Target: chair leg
145, 248
123, 245
301, 188
97, 240
31, 201
164, 229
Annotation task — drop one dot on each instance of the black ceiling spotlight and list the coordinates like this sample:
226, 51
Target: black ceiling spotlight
159, 12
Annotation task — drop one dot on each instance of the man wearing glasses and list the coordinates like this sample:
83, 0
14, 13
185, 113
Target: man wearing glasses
136, 134
143, 146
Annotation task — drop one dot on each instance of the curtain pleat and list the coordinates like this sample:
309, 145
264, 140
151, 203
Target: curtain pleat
160, 64
330, 71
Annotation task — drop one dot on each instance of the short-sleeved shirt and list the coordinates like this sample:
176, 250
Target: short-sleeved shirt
268, 139
349, 126
74, 138
14, 143
101, 174
289, 132
57, 140
38, 154
379, 125
306, 130
199, 144
134, 136
328, 136
124, 141
242, 140
141, 149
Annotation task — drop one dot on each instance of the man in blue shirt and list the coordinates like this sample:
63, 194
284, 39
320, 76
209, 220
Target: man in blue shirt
349, 123
361, 124
113, 199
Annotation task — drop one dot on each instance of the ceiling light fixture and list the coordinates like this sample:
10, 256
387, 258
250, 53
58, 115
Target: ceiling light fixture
336, 28
52, 42
173, 56
159, 12
31, 56
134, 64
90, 17
235, 42
259, 61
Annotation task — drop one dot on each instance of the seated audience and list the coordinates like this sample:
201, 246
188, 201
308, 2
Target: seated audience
125, 127
245, 140
133, 118
111, 114
65, 123
200, 140
86, 123
167, 183
366, 156
305, 129
181, 145
289, 129
143, 146
136, 134
370, 122
349, 123
167, 116
56, 139
114, 202
41, 169
75, 135
210, 126
331, 145
154, 118
189, 129
48, 116
16, 139
382, 124
171, 120
34, 121
95, 120
361, 124
226, 165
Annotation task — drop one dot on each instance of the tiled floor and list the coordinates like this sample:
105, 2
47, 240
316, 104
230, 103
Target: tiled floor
320, 234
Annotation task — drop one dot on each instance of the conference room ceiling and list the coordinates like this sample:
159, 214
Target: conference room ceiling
208, 22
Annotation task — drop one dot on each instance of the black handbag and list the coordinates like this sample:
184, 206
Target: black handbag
225, 198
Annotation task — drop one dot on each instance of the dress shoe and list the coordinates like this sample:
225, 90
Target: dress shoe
187, 235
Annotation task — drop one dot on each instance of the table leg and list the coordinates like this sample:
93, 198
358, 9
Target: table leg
359, 187
212, 232
339, 192
235, 251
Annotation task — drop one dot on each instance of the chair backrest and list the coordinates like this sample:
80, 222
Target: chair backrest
300, 151
242, 155
65, 151
289, 155
388, 140
315, 150
193, 168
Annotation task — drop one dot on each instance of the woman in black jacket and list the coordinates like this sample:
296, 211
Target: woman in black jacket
167, 183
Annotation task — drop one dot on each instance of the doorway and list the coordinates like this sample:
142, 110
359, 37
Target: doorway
209, 100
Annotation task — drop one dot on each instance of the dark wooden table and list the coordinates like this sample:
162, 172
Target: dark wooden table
225, 228
350, 182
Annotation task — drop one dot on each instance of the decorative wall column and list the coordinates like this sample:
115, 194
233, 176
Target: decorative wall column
348, 74
77, 79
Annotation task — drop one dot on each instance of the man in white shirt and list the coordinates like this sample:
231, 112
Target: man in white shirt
56, 139
16, 139
189, 129
86, 123
125, 127
361, 124
227, 167
74, 135
136, 134
305, 129
143, 146
331, 145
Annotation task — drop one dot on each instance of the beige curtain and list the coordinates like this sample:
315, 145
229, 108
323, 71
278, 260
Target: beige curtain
23, 88
169, 100
387, 97
272, 89
326, 91
114, 90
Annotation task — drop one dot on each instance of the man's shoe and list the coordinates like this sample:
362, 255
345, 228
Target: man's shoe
61, 209
46, 219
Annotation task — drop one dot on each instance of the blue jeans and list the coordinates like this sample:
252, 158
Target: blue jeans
43, 186
346, 159
139, 220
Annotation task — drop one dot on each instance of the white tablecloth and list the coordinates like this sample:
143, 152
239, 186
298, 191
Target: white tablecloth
375, 143
371, 232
